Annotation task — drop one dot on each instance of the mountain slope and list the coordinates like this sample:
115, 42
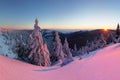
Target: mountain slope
102, 66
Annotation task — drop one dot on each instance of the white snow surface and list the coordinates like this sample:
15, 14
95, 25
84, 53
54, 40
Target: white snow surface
6, 49
104, 65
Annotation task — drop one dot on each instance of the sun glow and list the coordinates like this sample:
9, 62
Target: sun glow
105, 29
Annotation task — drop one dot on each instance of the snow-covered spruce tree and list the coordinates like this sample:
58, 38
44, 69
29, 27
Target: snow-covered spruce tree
117, 31
117, 35
90, 46
58, 51
21, 49
74, 50
66, 50
112, 37
103, 41
87, 47
39, 53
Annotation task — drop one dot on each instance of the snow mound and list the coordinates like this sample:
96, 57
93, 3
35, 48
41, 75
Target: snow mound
102, 66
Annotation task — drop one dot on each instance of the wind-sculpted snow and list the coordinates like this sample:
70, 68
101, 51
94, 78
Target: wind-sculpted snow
104, 65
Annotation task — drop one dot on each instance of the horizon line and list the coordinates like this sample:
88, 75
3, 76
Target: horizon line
53, 29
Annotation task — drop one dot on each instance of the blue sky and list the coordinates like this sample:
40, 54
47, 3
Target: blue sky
60, 14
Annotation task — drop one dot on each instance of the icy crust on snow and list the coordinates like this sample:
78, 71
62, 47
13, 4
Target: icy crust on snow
5, 49
104, 65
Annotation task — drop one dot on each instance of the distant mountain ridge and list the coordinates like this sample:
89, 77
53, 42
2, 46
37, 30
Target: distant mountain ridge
79, 37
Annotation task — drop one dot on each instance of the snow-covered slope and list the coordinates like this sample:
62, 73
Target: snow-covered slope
105, 65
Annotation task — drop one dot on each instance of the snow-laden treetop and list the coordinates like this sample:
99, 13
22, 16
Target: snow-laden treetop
36, 25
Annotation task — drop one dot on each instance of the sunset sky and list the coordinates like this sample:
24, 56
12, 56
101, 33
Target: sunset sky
60, 14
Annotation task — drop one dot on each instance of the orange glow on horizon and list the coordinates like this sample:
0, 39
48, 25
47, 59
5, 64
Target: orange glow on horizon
55, 27
105, 29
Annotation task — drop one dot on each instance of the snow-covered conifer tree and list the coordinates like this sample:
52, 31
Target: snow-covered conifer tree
117, 35
74, 50
75, 47
104, 42
66, 50
58, 51
117, 31
39, 53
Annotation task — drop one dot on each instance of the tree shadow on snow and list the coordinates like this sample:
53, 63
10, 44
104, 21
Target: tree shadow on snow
47, 69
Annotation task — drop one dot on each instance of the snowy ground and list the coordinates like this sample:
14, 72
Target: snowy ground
5, 49
102, 66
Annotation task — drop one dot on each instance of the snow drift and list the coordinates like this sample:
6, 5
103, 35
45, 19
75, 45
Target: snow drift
104, 65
